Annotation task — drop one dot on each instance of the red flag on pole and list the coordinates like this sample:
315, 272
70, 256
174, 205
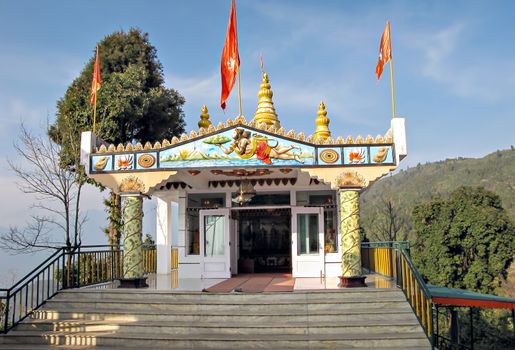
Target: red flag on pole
95, 82
230, 57
385, 50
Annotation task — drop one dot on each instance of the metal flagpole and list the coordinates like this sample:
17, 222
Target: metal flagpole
239, 91
393, 91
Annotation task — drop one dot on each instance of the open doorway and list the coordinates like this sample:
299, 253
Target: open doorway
264, 237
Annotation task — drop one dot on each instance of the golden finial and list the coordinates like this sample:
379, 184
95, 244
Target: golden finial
322, 122
204, 121
265, 112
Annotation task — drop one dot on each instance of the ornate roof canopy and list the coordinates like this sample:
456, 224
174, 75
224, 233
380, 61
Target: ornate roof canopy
237, 144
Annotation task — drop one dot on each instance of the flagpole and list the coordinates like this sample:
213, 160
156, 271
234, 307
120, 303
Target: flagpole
239, 92
393, 90
95, 112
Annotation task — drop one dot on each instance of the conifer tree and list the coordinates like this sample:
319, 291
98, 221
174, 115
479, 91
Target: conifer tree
133, 104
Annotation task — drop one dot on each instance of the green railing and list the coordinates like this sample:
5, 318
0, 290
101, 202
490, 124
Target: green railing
65, 269
392, 259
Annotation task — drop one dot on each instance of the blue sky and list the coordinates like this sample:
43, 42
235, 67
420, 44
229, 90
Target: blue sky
454, 64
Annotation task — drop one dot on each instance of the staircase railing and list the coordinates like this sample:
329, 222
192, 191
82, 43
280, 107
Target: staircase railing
392, 259
65, 269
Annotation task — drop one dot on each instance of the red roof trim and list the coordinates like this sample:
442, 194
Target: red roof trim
474, 303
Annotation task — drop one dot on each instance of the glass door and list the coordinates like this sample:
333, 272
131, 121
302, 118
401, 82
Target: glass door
307, 242
215, 243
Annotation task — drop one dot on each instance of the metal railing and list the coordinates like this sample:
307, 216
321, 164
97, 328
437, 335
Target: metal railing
440, 322
392, 259
65, 269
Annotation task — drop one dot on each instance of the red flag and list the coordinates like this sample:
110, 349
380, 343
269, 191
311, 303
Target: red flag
230, 57
385, 50
95, 83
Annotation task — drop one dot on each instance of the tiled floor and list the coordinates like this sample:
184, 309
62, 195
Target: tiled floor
250, 283
372, 281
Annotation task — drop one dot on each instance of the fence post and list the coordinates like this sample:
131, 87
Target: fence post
455, 333
78, 266
6, 312
472, 328
435, 334
390, 251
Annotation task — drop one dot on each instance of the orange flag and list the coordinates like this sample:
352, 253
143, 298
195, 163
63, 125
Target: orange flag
230, 57
95, 83
385, 50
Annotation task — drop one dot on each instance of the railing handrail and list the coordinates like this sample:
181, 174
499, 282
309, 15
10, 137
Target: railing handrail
67, 267
417, 275
396, 263
57, 252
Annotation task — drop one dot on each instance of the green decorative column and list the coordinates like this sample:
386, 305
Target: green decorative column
132, 242
351, 239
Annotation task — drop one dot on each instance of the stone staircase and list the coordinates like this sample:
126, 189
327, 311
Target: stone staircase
120, 319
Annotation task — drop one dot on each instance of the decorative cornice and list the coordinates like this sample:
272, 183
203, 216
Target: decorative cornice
240, 121
132, 184
351, 179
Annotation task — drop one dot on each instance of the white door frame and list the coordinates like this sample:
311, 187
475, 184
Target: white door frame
218, 266
307, 265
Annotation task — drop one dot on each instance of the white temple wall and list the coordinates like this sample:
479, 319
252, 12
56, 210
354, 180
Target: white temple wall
171, 209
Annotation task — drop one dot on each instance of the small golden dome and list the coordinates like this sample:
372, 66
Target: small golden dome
265, 112
204, 121
322, 123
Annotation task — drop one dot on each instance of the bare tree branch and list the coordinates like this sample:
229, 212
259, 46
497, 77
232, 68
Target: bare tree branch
56, 189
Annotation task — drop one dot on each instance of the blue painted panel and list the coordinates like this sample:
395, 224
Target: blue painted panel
146, 160
330, 156
124, 162
381, 154
237, 147
101, 163
355, 155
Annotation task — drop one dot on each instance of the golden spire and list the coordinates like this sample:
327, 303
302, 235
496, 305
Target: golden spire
204, 121
265, 112
322, 122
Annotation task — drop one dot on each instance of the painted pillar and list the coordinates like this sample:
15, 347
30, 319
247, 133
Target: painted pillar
351, 239
132, 243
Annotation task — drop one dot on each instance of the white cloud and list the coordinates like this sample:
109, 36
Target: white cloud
465, 73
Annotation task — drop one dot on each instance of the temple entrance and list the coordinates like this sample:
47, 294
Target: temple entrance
264, 240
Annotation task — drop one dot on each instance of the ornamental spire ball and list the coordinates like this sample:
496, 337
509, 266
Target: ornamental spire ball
322, 123
265, 112
204, 121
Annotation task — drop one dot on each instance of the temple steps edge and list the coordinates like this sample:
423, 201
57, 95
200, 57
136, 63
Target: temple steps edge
104, 319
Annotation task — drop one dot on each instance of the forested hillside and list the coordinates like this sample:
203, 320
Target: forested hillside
387, 205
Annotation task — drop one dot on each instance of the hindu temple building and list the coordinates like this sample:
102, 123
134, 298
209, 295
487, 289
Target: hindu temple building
248, 196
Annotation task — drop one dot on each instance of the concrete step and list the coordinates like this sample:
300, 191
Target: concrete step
217, 341
124, 294
240, 317
292, 328
122, 347
234, 298
271, 307
115, 319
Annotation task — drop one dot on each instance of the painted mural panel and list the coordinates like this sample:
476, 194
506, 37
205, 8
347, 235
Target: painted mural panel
102, 163
330, 156
381, 154
124, 162
146, 161
355, 155
238, 147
